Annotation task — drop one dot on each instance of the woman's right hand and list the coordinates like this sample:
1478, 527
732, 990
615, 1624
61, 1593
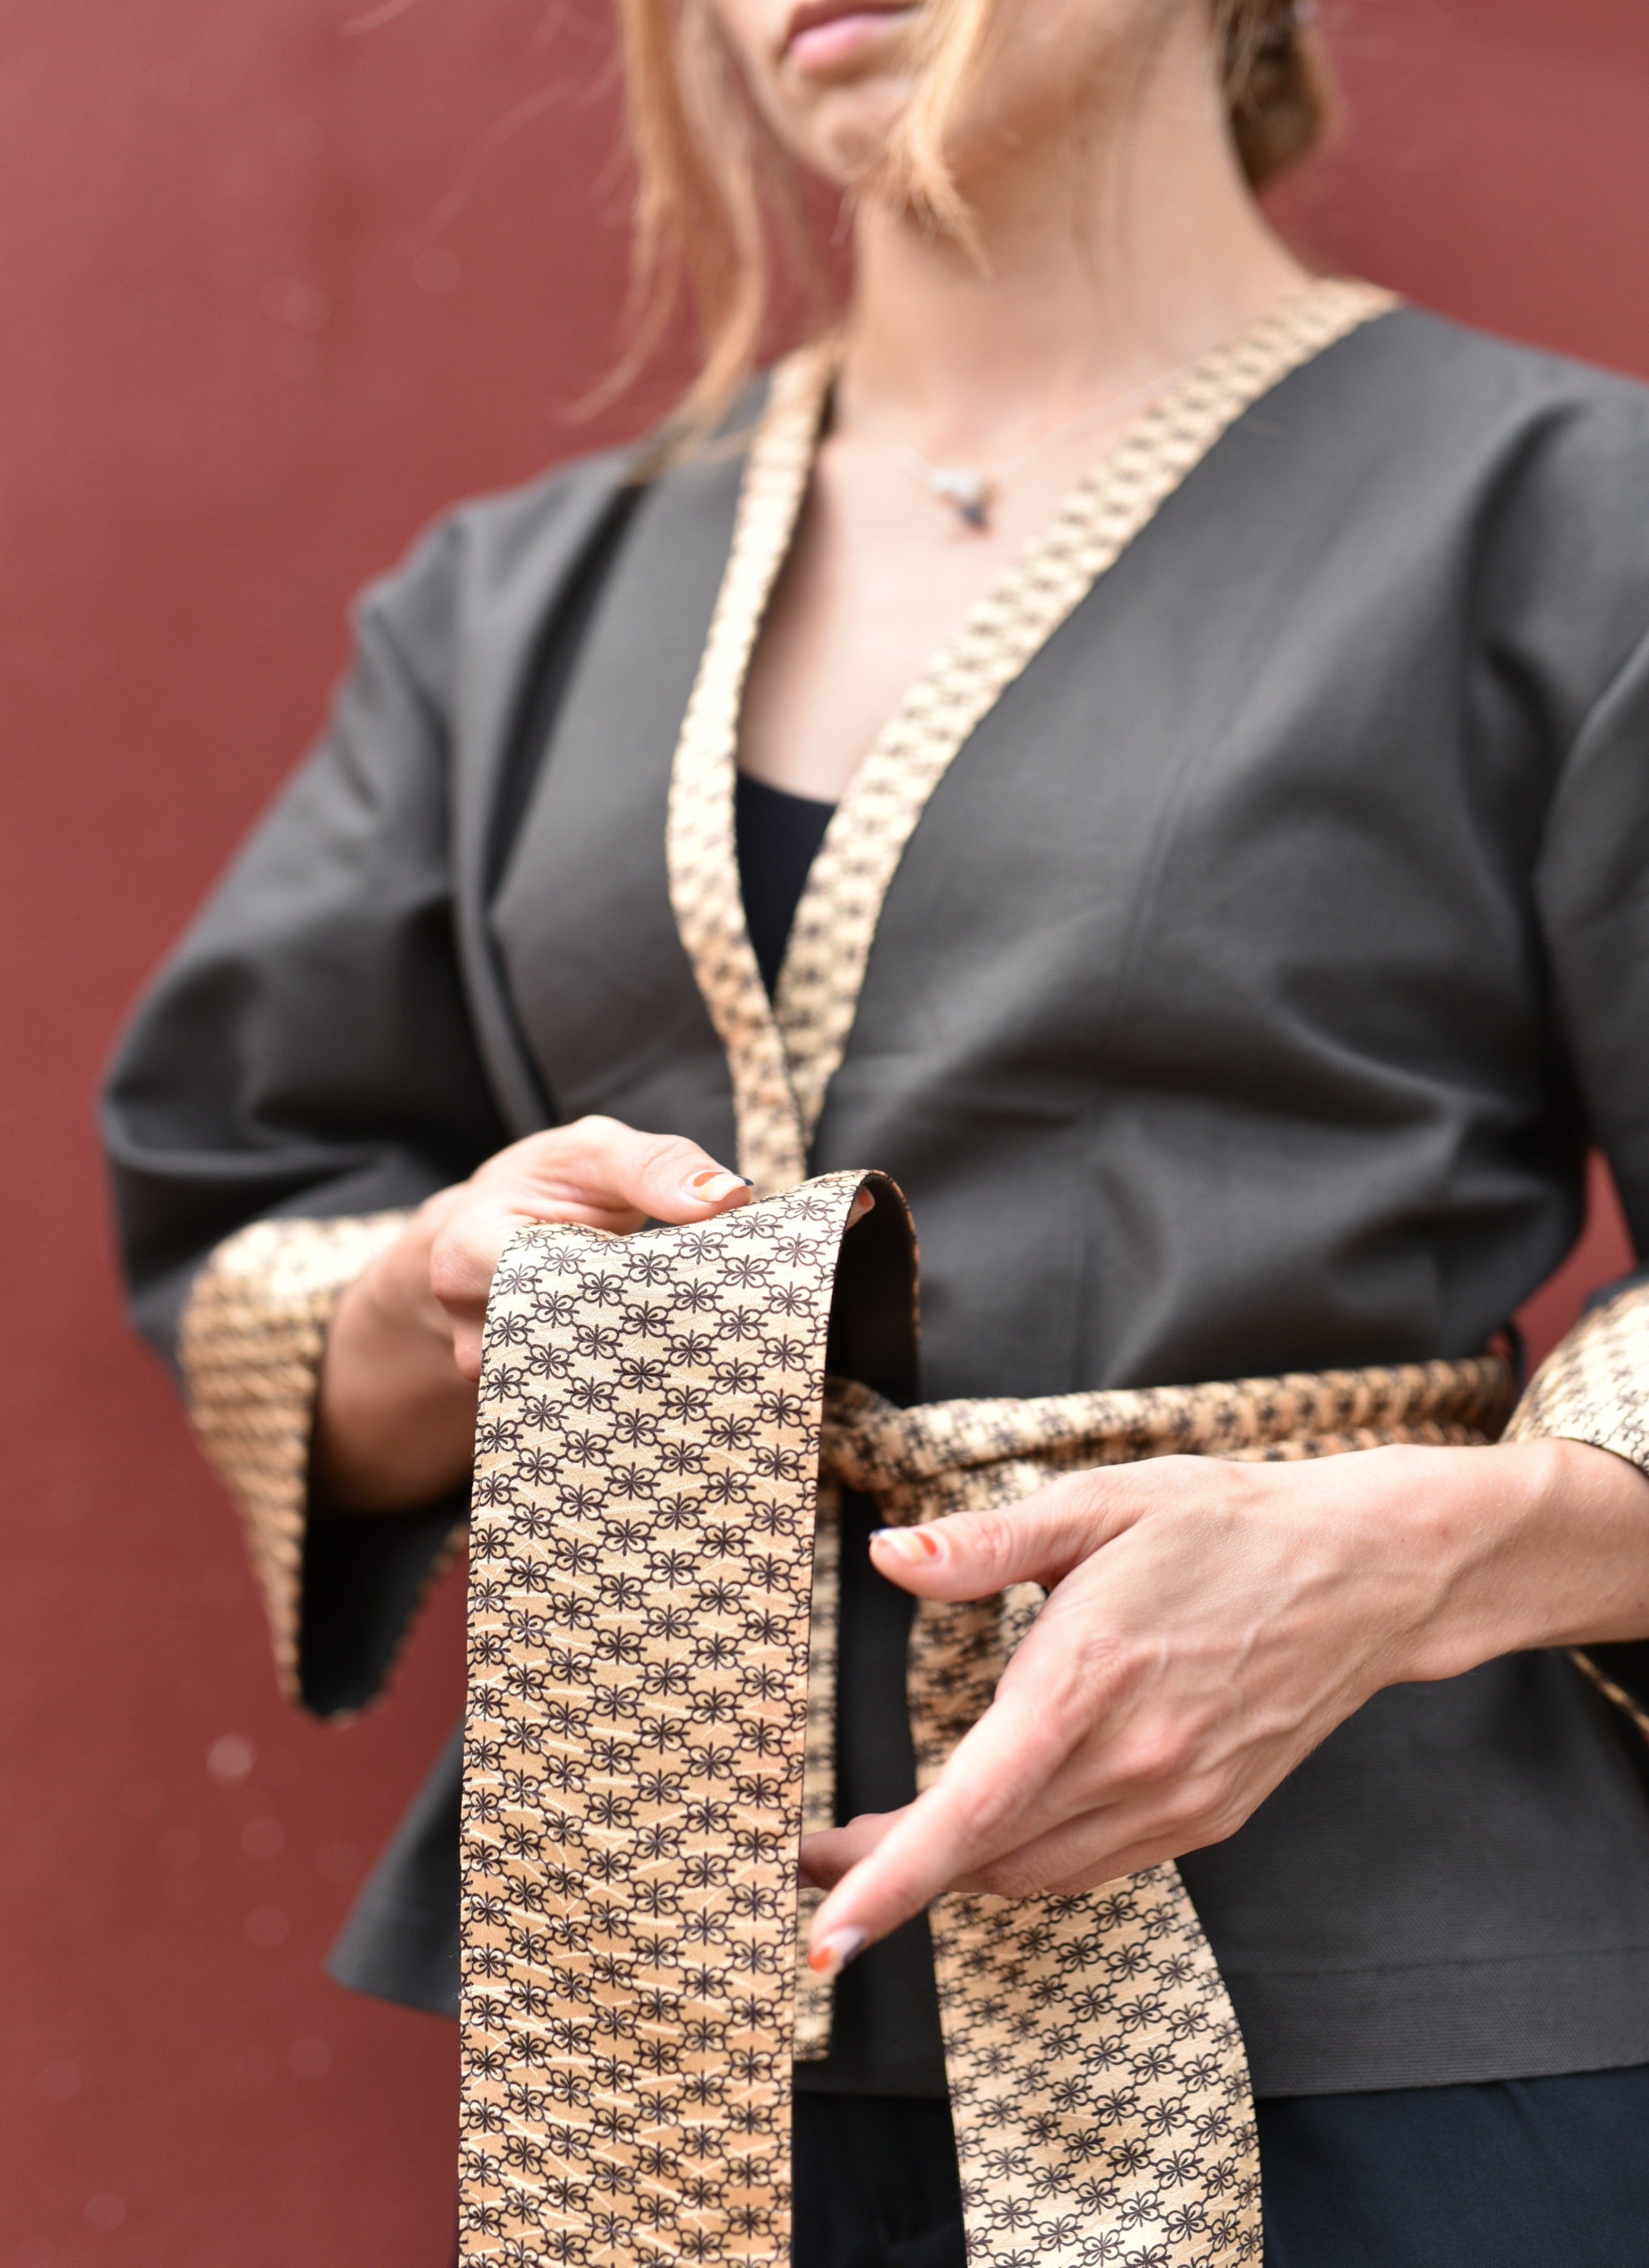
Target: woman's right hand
396, 1409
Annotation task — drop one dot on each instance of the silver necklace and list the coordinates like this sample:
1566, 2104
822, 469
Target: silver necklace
970, 490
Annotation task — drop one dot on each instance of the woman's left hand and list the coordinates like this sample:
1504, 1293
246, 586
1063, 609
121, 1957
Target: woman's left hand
1207, 1624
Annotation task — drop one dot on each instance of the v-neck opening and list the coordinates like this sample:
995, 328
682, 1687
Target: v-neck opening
783, 1051
777, 835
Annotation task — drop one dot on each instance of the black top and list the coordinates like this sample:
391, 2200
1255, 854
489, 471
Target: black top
1245, 999
779, 836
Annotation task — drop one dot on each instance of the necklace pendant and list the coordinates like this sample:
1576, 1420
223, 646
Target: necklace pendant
966, 491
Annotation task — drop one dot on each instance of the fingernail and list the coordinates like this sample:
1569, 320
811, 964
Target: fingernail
831, 1955
711, 1183
862, 1203
918, 1545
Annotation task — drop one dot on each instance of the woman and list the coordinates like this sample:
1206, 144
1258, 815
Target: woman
1242, 981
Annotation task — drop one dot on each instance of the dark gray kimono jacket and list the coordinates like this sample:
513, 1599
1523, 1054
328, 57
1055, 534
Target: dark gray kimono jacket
1247, 999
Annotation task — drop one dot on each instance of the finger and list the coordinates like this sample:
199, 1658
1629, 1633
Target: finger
989, 1798
1106, 1842
463, 1261
662, 1176
1079, 1855
970, 1555
434, 1213
826, 1857
466, 1249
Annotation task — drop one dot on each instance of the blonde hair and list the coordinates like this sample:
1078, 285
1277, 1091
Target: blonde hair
718, 204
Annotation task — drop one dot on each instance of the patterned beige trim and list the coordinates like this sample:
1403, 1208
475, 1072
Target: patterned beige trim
815, 1996
703, 853
1594, 1387
783, 1057
641, 1554
645, 1719
907, 1457
250, 1347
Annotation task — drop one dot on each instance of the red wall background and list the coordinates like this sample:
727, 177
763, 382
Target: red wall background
281, 277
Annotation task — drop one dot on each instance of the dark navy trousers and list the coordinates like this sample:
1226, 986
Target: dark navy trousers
1534, 2173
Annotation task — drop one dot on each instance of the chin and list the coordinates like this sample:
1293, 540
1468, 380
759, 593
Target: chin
847, 130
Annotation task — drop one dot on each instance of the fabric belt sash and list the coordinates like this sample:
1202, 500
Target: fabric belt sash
646, 1547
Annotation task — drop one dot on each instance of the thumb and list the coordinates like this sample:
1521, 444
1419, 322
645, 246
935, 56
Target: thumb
969, 1555
609, 1175
663, 1176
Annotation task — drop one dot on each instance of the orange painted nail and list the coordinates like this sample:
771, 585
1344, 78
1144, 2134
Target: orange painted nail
831, 1955
918, 1545
711, 1183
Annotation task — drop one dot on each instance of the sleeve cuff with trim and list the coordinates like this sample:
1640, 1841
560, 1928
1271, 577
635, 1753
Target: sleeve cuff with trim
250, 1347
1594, 1387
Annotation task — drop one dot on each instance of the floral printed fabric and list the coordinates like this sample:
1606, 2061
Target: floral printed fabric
653, 1417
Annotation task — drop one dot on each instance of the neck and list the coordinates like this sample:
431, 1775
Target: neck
1094, 271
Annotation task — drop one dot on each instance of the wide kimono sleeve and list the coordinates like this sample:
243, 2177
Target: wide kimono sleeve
1593, 893
301, 1073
